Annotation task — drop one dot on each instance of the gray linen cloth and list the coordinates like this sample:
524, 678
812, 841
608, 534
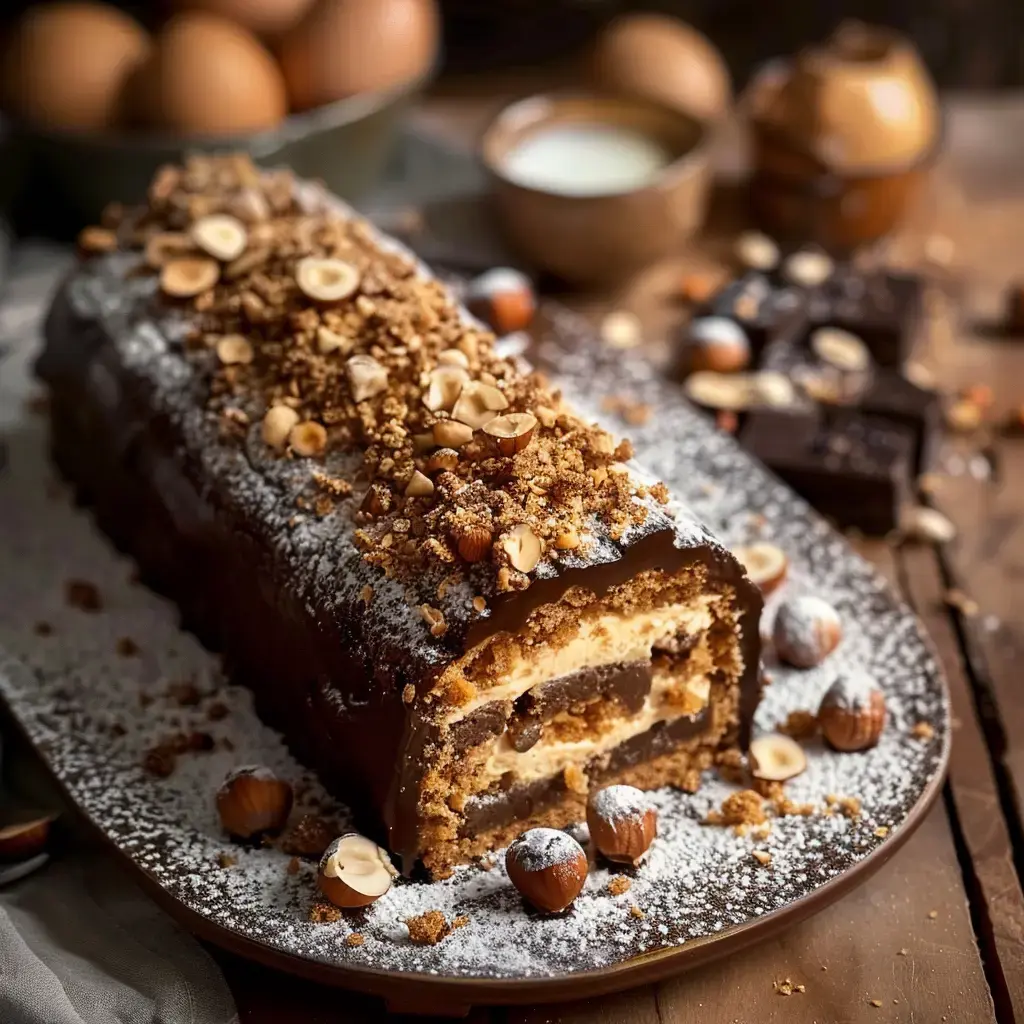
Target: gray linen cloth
81, 944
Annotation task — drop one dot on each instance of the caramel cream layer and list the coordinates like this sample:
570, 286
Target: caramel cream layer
603, 640
549, 757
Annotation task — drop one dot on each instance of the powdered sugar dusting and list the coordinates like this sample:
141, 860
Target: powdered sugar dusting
852, 690
613, 803
543, 848
800, 623
81, 703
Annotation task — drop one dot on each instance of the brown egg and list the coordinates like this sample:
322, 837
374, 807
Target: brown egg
208, 76
655, 57
344, 47
65, 64
264, 17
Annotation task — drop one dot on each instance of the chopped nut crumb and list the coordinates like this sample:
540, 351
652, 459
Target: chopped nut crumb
354, 939
226, 860
635, 911
743, 808
932, 915
83, 595
460, 922
786, 987
575, 779
127, 647
763, 857
882, 831
923, 731
366, 594
160, 761
875, 1002
42, 629
428, 929
217, 711
619, 884
294, 866
324, 913
800, 725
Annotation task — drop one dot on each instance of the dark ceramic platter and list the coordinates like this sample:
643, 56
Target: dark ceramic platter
93, 712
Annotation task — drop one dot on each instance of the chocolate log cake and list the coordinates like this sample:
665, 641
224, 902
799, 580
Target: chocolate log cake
459, 601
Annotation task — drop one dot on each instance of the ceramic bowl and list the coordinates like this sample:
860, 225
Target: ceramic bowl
600, 240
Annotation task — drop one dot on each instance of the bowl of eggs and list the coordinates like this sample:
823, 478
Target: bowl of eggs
97, 102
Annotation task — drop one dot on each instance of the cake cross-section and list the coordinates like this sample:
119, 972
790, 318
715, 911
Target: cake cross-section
459, 601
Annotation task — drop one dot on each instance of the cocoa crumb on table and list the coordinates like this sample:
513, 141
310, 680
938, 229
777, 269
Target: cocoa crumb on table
83, 595
428, 929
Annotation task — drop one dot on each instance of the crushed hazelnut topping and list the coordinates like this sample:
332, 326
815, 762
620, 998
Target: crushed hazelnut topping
349, 338
763, 857
619, 884
922, 731
354, 939
428, 929
322, 912
743, 808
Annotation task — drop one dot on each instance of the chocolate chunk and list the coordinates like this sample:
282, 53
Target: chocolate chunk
523, 733
884, 309
627, 682
856, 469
479, 725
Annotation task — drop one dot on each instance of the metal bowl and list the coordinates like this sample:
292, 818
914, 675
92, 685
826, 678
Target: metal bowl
345, 144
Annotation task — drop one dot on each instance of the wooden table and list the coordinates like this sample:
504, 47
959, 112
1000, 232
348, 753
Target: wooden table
938, 934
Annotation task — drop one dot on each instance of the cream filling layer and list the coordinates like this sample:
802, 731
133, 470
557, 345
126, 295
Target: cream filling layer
547, 758
603, 640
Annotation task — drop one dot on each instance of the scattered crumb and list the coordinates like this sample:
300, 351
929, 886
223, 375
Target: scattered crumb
127, 647
743, 808
309, 836
635, 911
967, 606
354, 939
294, 866
217, 711
787, 988
903, 952
575, 779
460, 922
160, 761
847, 806
932, 914
226, 860
800, 725
324, 913
428, 929
763, 857
882, 831
619, 885
875, 1002
42, 629
922, 731
83, 595
185, 694
366, 594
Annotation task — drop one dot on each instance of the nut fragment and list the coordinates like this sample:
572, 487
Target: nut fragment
623, 823
450, 434
769, 387
766, 564
185, 278
443, 460
756, 251
419, 486
326, 280
548, 867
927, 524
328, 341
776, 758
24, 839
253, 800
808, 268
621, 329
277, 425
93, 241
165, 246
718, 344
852, 712
964, 416
807, 630
512, 432
478, 403
446, 383
354, 872
718, 390
523, 548
841, 349
233, 349
366, 377
221, 236
474, 543
308, 439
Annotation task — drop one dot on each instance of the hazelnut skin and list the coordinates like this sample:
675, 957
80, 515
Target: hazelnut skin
548, 867
253, 800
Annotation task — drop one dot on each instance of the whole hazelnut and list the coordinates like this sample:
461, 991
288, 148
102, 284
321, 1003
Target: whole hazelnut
548, 867
354, 871
24, 839
622, 822
253, 800
807, 630
503, 298
718, 344
852, 712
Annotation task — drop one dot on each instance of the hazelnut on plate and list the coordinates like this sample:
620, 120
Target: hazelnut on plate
622, 823
718, 344
354, 871
253, 800
548, 867
852, 712
503, 298
776, 758
807, 630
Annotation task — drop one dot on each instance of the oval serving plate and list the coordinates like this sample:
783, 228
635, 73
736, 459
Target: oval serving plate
95, 691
